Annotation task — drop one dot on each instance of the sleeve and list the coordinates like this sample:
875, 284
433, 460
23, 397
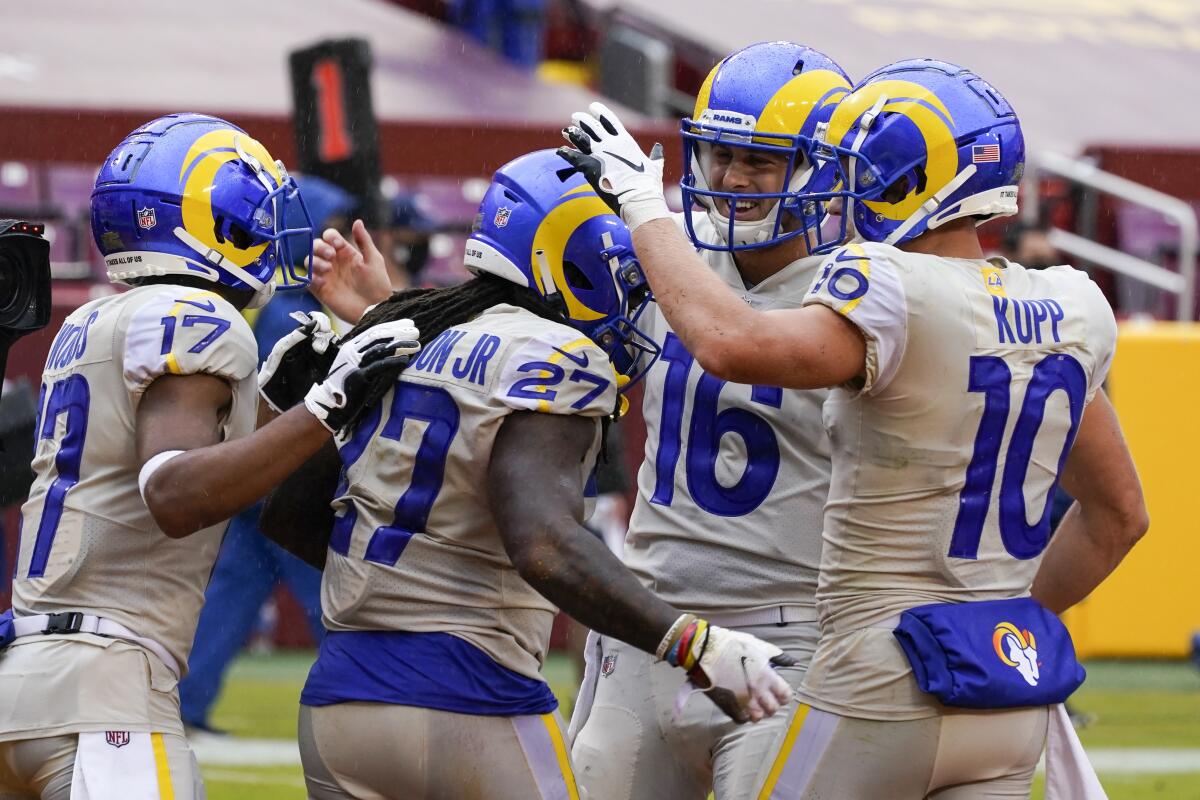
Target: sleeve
184, 331
865, 288
557, 370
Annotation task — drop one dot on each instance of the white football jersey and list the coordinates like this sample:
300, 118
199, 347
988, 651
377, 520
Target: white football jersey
415, 547
944, 462
731, 491
88, 542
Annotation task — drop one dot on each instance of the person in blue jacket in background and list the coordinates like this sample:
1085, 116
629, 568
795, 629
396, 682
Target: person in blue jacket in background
250, 566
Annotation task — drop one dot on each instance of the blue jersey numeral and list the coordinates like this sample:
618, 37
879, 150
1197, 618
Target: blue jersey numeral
70, 396
704, 440
434, 406
538, 388
218, 324
991, 376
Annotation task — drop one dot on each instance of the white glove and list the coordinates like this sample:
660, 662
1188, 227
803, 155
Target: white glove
630, 181
744, 666
371, 360
297, 361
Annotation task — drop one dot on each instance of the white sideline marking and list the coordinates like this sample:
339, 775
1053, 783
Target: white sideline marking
1112, 760
227, 751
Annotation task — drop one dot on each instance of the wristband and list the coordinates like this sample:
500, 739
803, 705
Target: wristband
152, 464
684, 643
636, 213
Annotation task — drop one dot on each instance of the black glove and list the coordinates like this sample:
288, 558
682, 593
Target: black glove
297, 361
372, 359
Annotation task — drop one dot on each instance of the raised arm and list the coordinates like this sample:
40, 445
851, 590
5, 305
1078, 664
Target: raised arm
1108, 518
803, 348
799, 348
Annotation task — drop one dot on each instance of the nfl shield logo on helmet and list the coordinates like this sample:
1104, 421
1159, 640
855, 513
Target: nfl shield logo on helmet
117, 738
502, 215
146, 218
608, 664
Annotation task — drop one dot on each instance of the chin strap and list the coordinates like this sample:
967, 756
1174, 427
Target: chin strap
931, 205
217, 259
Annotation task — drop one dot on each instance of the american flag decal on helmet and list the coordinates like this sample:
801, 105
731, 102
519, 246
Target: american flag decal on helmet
985, 154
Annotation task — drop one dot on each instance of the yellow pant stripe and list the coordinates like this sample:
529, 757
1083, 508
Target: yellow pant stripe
785, 750
560, 751
161, 768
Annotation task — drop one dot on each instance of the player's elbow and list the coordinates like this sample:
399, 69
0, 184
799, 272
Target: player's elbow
1126, 519
173, 524
530, 555
535, 553
730, 357
1135, 522
171, 507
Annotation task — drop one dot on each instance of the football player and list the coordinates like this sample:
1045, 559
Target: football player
966, 389
132, 491
727, 521
457, 522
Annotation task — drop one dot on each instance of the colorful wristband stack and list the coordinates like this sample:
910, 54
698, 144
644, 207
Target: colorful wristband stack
685, 642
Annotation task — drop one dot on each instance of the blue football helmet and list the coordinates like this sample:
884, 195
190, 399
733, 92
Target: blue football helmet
941, 128
773, 97
541, 226
190, 194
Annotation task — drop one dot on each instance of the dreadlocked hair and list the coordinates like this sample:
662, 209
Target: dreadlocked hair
435, 310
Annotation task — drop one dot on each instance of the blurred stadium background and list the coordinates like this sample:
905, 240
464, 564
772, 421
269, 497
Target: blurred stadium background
448, 90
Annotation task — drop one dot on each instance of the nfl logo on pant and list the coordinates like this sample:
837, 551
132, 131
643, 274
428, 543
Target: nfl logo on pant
608, 664
117, 738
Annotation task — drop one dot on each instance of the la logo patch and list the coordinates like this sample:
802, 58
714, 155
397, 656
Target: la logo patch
502, 215
608, 665
146, 218
1017, 649
116, 738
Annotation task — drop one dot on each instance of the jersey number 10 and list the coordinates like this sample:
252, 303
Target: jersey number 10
991, 376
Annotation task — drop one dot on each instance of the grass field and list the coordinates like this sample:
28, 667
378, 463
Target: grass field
1146, 705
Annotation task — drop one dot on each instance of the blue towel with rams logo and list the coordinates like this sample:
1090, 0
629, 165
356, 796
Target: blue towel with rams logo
990, 653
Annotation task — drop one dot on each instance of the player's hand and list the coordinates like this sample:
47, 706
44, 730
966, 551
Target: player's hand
737, 671
297, 361
630, 181
349, 278
376, 355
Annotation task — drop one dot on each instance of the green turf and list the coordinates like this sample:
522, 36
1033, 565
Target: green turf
1141, 704
260, 783
261, 696
1136, 704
